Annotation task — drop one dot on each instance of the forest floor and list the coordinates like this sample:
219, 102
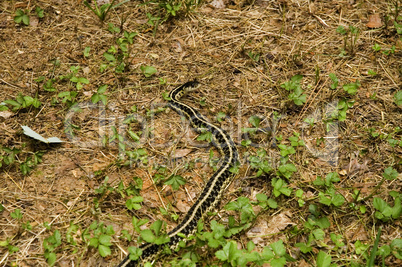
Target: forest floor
310, 91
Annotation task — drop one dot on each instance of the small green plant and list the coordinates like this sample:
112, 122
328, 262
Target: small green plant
154, 234
334, 80
264, 202
79, 81
21, 16
204, 135
374, 249
9, 156
324, 260
48, 85
166, 9
329, 196
99, 236
133, 203
260, 162
389, 51
351, 88
16, 214
310, 121
118, 55
255, 122
50, 244
137, 155
376, 47
274, 254
23, 102
72, 231
286, 170
351, 35
299, 194
254, 56
371, 73
100, 95
398, 27
341, 109
68, 97
153, 21
296, 92
6, 243
175, 181
31, 162
86, 51
384, 211
337, 240
244, 207
113, 29
39, 12
220, 116
148, 71
314, 226
102, 11
280, 187
398, 98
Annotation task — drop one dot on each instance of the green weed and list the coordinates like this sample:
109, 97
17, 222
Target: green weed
351, 35
99, 236
175, 181
21, 16
100, 95
23, 102
50, 244
102, 11
296, 92
11, 248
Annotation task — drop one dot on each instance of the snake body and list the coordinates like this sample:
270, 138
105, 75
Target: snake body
213, 190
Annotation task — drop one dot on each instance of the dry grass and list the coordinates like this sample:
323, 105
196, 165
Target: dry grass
212, 45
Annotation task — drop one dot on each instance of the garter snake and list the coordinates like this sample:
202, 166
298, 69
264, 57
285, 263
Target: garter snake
214, 188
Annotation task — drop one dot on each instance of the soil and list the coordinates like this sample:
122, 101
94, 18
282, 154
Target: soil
242, 54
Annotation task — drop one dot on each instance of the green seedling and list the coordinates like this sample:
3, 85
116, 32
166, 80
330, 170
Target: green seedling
39, 12
99, 236
334, 80
21, 16
351, 88
260, 162
175, 181
23, 102
102, 11
398, 98
351, 35
6, 243
100, 95
296, 92
148, 71
50, 244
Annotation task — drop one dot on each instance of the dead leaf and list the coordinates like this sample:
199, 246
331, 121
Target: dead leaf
182, 204
6, 114
357, 232
179, 153
34, 21
275, 225
218, 4
374, 21
98, 166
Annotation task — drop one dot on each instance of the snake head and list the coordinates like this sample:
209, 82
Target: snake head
190, 86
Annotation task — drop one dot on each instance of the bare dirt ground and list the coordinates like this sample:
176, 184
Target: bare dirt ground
76, 192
